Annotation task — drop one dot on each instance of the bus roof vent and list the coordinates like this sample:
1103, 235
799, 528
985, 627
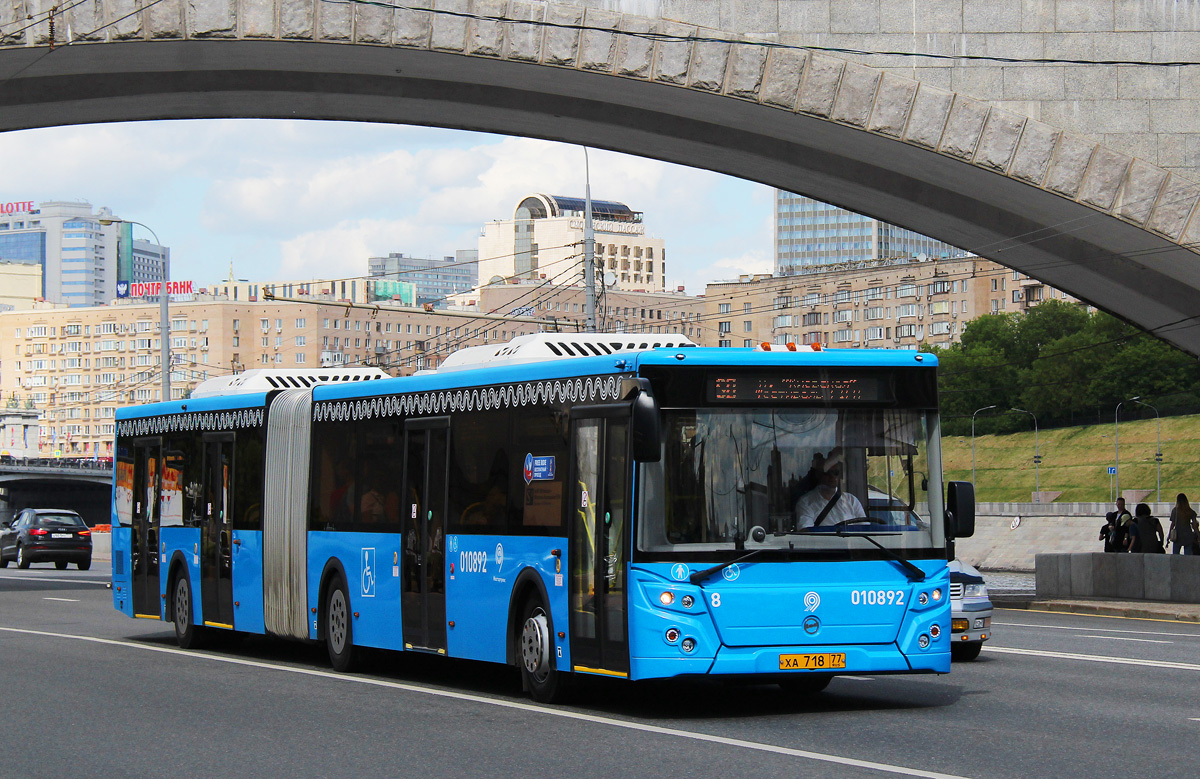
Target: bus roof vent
539, 347
267, 379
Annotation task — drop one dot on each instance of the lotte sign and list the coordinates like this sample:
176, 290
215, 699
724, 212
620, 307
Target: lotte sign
143, 289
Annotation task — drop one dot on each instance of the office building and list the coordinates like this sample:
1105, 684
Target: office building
435, 280
885, 304
77, 254
811, 233
544, 240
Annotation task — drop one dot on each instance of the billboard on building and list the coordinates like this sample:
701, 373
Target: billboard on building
124, 258
403, 292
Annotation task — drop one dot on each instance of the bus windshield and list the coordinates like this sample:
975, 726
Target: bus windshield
801, 479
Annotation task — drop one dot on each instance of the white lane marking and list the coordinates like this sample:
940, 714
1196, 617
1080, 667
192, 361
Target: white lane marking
36, 578
529, 707
1095, 629
859, 678
1127, 638
64, 600
1194, 719
1092, 658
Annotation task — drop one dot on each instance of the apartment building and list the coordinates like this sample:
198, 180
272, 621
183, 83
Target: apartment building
888, 304
617, 311
77, 366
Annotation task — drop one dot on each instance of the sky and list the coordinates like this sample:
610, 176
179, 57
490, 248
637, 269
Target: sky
286, 200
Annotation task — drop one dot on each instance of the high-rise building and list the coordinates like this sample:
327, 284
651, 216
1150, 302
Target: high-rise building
435, 280
78, 255
544, 240
809, 232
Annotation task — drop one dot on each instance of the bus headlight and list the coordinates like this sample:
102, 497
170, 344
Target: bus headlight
687, 601
688, 644
666, 597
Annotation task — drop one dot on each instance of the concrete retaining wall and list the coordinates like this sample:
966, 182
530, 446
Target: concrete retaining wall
1001, 543
1157, 577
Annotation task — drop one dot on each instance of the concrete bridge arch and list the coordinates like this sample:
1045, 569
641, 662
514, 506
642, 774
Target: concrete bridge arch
1109, 228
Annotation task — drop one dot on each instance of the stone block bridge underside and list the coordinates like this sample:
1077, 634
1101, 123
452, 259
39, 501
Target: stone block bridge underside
1111, 229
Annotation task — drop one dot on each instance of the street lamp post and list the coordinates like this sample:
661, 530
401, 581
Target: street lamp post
164, 313
1037, 457
985, 408
1117, 447
1157, 445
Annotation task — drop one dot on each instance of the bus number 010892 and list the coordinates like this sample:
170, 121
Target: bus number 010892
877, 597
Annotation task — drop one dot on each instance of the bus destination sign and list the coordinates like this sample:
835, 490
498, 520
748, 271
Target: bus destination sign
826, 388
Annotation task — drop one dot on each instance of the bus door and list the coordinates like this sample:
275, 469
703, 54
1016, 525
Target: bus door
144, 551
599, 539
423, 589
216, 531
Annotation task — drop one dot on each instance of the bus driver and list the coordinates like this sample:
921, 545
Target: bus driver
827, 505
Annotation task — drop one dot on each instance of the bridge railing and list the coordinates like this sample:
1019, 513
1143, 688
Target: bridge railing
59, 463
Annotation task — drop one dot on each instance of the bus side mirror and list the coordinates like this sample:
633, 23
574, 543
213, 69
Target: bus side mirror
646, 428
960, 509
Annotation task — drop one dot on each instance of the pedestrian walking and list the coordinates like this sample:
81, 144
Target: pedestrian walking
1184, 530
1150, 531
1115, 530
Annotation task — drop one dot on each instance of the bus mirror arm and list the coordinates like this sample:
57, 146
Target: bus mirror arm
960, 509
646, 427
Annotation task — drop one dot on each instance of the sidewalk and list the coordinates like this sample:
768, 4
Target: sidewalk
1017, 590
1182, 612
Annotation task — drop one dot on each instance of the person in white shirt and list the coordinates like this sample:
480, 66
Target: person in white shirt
813, 503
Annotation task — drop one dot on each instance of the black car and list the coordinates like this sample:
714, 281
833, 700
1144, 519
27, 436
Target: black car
58, 536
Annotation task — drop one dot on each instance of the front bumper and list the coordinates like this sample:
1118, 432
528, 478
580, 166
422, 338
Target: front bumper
971, 622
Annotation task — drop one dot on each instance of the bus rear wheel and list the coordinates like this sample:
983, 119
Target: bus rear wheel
805, 683
535, 650
339, 632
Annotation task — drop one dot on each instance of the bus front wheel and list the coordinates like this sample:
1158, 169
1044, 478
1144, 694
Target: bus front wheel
339, 632
535, 650
187, 635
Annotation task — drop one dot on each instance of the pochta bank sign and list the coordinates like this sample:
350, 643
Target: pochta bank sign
152, 289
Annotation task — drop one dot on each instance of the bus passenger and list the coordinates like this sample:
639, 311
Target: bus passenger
827, 505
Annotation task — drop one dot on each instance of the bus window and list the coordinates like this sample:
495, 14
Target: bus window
379, 475
480, 472
333, 477
539, 434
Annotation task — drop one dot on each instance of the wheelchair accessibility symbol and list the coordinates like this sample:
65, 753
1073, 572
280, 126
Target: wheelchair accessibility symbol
368, 573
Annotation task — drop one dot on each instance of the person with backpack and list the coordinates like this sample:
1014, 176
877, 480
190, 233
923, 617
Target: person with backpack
1150, 531
1115, 531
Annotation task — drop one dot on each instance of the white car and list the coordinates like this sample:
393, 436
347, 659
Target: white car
970, 612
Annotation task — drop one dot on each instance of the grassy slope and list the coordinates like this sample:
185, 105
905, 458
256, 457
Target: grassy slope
1075, 460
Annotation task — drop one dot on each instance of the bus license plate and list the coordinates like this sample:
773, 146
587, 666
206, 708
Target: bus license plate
800, 662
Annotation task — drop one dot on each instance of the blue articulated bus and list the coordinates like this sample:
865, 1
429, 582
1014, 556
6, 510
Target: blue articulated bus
627, 506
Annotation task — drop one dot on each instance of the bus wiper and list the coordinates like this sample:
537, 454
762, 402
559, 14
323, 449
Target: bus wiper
914, 573
700, 576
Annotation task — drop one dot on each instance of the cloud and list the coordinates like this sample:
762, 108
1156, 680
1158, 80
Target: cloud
286, 199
